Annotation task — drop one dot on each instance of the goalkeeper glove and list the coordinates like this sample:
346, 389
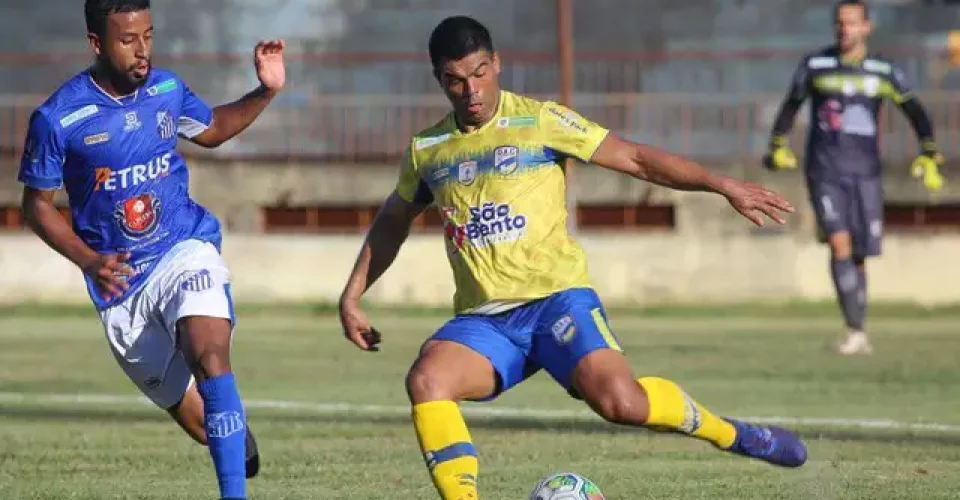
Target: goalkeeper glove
779, 155
927, 166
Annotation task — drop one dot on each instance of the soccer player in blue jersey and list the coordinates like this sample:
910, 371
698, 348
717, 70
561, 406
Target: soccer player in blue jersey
150, 255
846, 85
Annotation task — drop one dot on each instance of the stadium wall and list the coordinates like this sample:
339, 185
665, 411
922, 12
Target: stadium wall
626, 269
709, 253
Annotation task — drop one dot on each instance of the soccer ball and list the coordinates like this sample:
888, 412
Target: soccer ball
566, 486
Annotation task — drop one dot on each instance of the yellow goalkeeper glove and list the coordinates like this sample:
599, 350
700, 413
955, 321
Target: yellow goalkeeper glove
779, 155
927, 167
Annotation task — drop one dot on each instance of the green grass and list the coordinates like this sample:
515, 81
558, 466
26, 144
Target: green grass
751, 362
771, 309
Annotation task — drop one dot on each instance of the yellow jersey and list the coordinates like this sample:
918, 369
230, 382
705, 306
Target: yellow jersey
500, 191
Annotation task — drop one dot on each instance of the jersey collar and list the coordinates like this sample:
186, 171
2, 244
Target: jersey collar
123, 100
853, 62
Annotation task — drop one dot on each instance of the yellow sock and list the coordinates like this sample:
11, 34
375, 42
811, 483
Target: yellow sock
672, 409
447, 449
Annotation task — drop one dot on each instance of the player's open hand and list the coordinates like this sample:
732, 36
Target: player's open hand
357, 328
111, 272
268, 59
754, 201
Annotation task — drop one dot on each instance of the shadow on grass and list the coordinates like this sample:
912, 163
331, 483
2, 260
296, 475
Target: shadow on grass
515, 424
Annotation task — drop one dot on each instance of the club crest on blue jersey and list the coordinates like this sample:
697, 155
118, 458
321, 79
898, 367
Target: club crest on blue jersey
506, 159
138, 216
165, 125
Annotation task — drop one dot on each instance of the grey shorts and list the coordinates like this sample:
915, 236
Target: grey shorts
851, 204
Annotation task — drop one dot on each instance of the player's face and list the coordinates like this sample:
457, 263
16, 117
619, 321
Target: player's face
126, 46
472, 84
851, 27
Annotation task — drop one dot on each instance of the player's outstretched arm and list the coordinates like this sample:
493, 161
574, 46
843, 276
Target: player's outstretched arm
233, 118
42, 216
389, 230
660, 167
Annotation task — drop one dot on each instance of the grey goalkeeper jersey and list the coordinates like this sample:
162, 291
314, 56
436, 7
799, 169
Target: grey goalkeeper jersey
845, 100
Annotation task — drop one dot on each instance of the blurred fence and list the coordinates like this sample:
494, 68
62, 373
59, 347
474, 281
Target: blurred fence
365, 107
734, 71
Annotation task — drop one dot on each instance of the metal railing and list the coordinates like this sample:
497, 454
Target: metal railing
371, 128
359, 107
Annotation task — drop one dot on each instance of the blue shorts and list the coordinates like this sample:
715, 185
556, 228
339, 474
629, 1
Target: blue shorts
553, 333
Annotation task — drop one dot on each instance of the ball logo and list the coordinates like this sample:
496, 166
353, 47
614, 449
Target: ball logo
139, 216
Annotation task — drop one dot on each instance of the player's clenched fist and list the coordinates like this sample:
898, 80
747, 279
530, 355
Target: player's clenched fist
357, 328
111, 272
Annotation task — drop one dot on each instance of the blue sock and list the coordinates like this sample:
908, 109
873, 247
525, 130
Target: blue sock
226, 433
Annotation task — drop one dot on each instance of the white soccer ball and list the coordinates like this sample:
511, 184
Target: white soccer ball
566, 486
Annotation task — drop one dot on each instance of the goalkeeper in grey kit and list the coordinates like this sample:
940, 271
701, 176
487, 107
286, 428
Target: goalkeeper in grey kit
846, 86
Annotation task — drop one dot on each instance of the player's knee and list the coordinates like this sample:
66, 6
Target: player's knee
206, 345
212, 362
425, 384
841, 245
621, 402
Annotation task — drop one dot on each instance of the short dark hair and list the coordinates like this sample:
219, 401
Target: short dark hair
852, 3
456, 37
96, 12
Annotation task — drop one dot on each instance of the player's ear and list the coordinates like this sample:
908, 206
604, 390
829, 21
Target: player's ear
95, 44
495, 59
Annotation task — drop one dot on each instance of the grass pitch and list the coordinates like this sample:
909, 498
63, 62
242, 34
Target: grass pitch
332, 421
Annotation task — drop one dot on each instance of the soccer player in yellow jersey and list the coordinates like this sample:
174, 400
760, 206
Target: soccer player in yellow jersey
524, 300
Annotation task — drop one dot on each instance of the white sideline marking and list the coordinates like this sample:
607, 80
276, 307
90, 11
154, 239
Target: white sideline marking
468, 409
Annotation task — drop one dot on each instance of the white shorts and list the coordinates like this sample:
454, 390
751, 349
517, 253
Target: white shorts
190, 280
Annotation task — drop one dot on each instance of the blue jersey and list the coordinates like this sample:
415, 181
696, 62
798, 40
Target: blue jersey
117, 160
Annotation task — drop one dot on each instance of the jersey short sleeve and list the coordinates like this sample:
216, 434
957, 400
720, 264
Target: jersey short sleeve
410, 186
44, 152
567, 132
195, 115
